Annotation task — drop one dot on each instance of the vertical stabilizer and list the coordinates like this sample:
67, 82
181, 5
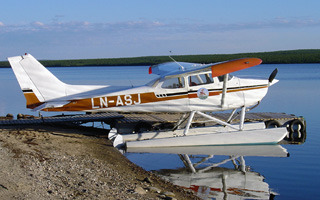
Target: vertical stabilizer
37, 83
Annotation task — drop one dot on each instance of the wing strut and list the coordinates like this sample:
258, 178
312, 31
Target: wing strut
224, 90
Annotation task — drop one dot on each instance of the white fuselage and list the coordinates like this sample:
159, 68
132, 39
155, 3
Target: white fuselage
196, 88
166, 95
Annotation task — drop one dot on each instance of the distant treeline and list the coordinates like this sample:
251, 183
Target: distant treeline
275, 57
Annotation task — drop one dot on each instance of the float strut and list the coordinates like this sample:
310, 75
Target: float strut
231, 115
243, 164
243, 113
185, 132
217, 120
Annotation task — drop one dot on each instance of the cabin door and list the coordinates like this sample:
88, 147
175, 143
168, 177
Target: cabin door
203, 92
172, 95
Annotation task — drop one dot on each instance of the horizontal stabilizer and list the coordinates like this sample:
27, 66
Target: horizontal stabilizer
51, 105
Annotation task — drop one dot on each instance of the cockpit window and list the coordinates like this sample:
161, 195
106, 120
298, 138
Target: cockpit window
153, 83
222, 77
200, 79
173, 83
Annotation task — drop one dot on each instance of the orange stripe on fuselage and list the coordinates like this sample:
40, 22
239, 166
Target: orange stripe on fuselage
114, 101
247, 88
132, 99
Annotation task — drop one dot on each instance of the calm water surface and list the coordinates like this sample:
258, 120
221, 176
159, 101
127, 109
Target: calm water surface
220, 176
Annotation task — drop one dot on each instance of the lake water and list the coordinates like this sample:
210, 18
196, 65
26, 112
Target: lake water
219, 175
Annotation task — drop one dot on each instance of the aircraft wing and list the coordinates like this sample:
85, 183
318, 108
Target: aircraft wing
217, 69
169, 67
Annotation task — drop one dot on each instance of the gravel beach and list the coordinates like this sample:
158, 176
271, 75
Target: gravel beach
46, 162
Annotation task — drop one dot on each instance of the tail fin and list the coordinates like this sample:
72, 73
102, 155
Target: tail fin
37, 83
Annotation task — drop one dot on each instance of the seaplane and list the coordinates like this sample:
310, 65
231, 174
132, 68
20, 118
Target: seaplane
180, 87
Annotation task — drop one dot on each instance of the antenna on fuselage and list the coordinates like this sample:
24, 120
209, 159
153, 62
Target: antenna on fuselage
131, 83
182, 68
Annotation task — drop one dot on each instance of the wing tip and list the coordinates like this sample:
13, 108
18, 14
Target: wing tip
253, 61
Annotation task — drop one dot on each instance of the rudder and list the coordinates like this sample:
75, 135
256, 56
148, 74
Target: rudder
36, 82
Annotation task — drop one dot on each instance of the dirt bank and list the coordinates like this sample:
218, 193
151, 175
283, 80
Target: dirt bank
46, 162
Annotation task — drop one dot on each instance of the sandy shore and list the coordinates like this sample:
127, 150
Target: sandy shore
46, 162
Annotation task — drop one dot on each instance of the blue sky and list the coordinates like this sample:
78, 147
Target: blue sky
76, 29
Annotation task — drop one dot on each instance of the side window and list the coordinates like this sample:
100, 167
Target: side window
173, 83
200, 79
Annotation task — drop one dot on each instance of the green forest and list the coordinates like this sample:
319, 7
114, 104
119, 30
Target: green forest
274, 57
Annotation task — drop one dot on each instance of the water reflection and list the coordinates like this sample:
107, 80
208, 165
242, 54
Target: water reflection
205, 170
295, 137
219, 172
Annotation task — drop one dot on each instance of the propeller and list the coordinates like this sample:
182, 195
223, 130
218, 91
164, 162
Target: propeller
273, 75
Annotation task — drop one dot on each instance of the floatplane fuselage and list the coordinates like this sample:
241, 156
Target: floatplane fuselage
180, 87
181, 91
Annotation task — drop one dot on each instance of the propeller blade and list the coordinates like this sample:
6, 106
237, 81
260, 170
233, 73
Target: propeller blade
234, 65
273, 75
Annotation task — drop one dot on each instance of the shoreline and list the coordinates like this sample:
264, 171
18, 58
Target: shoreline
46, 162
270, 57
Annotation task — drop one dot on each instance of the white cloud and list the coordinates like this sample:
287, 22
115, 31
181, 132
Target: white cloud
39, 24
144, 37
160, 27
